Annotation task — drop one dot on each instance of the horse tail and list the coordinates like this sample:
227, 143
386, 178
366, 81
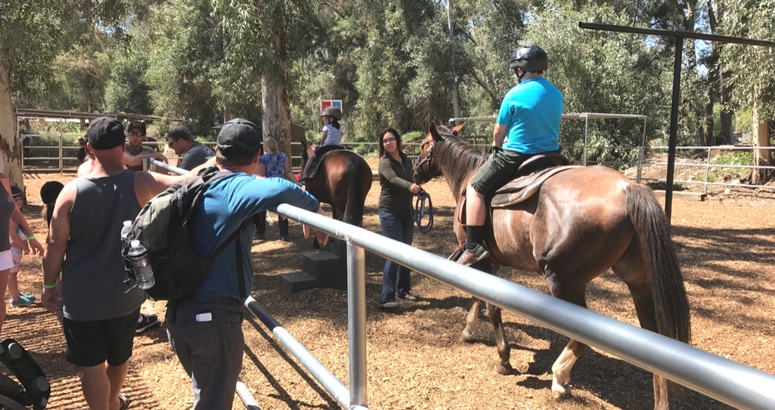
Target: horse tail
353, 210
652, 229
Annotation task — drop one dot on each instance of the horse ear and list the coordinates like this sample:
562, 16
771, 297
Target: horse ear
304, 142
458, 129
434, 132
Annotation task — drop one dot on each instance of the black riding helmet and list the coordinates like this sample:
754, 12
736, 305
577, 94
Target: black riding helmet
529, 57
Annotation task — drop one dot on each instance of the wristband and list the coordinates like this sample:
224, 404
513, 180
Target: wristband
31, 237
51, 286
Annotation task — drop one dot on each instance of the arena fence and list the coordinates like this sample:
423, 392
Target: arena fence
725, 380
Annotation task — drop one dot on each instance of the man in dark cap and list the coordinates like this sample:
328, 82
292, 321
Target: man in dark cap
205, 329
193, 153
136, 152
100, 311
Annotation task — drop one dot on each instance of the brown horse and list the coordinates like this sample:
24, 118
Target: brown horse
343, 180
581, 223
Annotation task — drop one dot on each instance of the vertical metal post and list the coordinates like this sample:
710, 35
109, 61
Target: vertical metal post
679, 46
356, 315
146, 164
707, 172
640, 164
61, 152
586, 128
455, 108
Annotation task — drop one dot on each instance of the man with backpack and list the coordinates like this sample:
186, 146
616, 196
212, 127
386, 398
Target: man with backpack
100, 311
205, 328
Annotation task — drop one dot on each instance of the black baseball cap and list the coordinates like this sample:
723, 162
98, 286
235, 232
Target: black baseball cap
136, 124
238, 138
16, 191
105, 133
177, 132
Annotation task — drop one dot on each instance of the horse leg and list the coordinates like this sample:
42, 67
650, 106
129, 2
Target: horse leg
634, 275
561, 368
504, 350
472, 319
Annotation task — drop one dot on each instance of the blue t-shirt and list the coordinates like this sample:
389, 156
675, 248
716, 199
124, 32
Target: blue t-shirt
274, 164
228, 202
532, 110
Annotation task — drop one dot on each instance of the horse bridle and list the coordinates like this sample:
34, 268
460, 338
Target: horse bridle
426, 161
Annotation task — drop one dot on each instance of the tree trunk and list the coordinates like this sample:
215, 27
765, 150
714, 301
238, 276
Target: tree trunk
10, 160
726, 114
276, 115
761, 138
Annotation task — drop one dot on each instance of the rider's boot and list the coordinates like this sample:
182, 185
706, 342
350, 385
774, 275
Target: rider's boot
474, 250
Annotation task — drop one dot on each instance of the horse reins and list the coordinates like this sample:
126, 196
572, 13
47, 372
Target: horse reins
420, 199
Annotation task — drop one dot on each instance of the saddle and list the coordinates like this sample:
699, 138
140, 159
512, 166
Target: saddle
530, 176
322, 152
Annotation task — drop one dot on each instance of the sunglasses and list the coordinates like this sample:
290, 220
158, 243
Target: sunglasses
135, 134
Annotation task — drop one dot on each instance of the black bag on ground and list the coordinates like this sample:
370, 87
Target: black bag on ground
162, 228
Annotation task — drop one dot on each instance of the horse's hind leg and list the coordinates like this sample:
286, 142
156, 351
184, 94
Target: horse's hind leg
632, 271
472, 320
561, 368
504, 350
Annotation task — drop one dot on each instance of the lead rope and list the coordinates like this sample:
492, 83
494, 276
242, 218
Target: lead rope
419, 211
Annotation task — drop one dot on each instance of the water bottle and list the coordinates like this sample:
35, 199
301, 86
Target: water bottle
125, 230
141, 265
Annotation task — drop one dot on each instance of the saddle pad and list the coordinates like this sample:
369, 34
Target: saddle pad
522, 188
322, 152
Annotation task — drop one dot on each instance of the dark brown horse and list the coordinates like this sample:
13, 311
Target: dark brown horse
581, 223
343, 180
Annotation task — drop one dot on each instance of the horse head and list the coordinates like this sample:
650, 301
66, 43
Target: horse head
308, 148
426, 167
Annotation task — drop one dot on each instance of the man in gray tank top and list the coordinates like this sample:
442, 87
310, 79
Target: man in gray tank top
100, 312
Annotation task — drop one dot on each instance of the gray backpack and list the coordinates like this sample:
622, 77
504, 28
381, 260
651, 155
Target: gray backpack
162, 226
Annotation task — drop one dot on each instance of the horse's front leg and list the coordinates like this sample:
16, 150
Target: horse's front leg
504, 350
472, 319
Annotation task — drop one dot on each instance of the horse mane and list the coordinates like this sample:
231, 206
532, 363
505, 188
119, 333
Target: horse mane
458, 157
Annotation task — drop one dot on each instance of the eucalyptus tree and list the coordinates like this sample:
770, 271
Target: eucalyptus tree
32, 34
602, 72
753, 68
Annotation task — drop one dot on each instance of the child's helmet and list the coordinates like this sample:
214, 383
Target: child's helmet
16, 191
332, 112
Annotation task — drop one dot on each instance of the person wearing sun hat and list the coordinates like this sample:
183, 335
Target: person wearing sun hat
84, 248
205, 329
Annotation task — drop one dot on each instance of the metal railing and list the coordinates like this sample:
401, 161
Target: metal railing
725, 380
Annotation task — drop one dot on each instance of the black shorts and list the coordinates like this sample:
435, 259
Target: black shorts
500, 168
91, 343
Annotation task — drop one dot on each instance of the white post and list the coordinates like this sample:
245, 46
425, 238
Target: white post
356, 323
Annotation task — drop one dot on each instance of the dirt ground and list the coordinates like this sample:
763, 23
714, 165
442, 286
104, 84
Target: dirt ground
415, 358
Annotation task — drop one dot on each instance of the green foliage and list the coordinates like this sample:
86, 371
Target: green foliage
127, 90
753, 67
736, 157
601, 72
413, 136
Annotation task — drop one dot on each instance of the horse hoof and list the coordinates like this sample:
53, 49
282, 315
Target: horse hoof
559, 391
504, 370
467, 336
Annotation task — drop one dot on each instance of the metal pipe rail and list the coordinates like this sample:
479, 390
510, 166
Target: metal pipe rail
318, 370
725, 380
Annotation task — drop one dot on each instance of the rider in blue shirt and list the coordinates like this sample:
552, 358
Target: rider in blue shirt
528, 123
